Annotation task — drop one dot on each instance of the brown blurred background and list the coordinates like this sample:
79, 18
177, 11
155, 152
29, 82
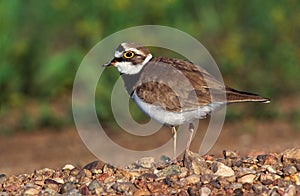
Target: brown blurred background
256, 45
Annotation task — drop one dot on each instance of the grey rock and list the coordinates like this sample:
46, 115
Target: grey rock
3, 177
146, 162
67, 187
244, 171
31, 191
72, 192
204, 191
291, 155
192, 179
168, 171
258, 188
206, 178
222, 170
289, 169
249, 178
4, 194
290, 191
195, 163
93, 185
229, 154
124, 187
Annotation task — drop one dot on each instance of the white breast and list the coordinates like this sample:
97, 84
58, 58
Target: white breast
175, 118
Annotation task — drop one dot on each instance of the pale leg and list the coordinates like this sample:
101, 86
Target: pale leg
174, 133
191, 129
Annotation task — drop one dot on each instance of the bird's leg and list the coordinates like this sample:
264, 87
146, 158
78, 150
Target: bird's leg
191, 129
174, 134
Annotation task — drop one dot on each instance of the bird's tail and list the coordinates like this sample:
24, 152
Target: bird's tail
235, 96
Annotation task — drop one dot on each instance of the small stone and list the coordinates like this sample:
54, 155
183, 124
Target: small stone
102, 177
67, 187
72, 192
270, 169
266, 179
4, 194
49, 192
170, 170
59, 180
94, 184
206, 178
291, 155
75, 171
247, 186
124, 187
267, 159
195, 163
204, 191
244, 171
288, 170
290, 191
3, 177
295, 178
274, 192
183, 172
222, 170
11, 187
216, 184
238, 191
155, 187
95, 167
182, 193
146, 162
142, 193
229, 154
258, 188
192, 179
54, 187
249, 178
31, 191
68, 167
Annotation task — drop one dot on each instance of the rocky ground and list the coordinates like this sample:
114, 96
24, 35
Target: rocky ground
265, 174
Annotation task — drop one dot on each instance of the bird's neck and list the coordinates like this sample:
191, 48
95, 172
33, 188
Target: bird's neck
130, 81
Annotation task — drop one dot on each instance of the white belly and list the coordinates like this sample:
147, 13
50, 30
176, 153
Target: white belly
175, 118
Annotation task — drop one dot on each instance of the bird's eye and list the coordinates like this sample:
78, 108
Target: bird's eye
128, 54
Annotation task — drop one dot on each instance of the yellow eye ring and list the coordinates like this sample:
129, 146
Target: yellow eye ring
128, 54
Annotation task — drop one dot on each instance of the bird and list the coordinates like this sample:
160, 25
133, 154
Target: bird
173, 91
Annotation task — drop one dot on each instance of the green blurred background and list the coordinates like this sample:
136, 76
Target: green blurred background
255, 43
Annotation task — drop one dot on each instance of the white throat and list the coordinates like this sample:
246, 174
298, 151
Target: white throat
129, 68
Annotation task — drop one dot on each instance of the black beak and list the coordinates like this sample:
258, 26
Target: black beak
112, 62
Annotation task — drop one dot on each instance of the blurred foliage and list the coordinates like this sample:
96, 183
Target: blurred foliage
255, 44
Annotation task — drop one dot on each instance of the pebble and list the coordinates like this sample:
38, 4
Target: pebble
3, 177
222, 170
249, 178
195, 163
265, 174
229, 154
204, 191
192, 179
291, 155
68, 167
146, 162
94, 184
31, 191
66, 187
289, 169
170, 170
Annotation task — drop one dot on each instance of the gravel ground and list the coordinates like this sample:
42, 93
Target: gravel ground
266, 174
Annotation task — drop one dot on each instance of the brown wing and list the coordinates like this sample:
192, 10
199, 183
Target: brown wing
178, 85
175, 84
